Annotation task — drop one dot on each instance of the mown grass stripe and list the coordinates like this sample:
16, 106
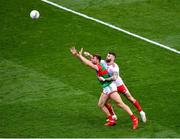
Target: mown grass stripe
112, 26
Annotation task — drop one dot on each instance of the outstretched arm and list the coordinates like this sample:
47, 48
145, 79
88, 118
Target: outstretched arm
82, 58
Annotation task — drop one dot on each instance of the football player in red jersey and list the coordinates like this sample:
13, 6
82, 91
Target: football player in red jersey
113, 70
109, 88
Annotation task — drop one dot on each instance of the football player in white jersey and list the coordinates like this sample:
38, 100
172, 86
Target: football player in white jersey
113, 70
109, 87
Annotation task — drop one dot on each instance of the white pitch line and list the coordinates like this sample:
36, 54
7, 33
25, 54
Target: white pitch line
112, 26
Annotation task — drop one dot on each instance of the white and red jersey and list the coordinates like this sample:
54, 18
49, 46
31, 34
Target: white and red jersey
111, 69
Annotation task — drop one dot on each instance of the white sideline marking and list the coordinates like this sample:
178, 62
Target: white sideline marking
112, 26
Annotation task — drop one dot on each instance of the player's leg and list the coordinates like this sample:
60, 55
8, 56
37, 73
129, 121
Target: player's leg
116, 97
137, 105
124, 90
102, 100
110, 109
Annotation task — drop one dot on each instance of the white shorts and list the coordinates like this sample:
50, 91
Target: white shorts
110, 89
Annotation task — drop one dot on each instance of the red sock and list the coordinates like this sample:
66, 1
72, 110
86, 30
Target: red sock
110, 118
133, 117
136, 104
110, 109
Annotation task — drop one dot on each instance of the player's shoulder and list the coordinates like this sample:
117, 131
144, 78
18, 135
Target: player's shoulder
98, 66
115, 67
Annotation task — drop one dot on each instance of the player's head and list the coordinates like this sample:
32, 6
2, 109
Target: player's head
111, 56
96, 59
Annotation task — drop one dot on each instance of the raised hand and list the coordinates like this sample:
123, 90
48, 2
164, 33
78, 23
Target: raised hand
73, 51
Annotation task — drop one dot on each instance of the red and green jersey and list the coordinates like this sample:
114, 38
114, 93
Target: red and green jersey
103, 72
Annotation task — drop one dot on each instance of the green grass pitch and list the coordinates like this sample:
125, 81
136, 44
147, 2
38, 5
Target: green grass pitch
46, 92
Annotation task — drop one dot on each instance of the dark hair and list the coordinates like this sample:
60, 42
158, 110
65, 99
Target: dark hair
97, 56
112, 53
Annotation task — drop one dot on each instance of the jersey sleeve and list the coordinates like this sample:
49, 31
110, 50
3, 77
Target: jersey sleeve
115, 68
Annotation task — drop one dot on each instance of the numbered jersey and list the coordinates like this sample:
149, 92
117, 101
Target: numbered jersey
111, 69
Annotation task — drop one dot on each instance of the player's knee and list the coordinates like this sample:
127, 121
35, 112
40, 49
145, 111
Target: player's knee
100, 105
131, 98
120, 104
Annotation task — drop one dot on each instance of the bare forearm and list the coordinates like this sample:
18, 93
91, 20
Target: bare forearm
86, 61
82, 58
113, 77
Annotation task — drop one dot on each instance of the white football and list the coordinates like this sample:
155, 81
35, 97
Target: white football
34, 14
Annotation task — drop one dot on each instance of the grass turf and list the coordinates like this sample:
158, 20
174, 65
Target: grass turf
45, 92
154, 19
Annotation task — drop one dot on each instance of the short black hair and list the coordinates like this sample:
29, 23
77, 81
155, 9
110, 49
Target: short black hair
112, 53
97, 56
